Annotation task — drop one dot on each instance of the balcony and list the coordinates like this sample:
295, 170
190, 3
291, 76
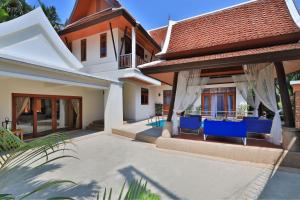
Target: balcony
125, 61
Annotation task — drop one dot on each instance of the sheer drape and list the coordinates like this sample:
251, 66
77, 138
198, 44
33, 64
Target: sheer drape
76, 105
261, 78
245, 89
188, 90
21, 103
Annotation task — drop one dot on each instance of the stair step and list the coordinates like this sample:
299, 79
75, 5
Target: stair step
92, 128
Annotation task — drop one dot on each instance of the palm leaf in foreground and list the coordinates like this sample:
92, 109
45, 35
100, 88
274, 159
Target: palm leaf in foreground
137, 191
16, 154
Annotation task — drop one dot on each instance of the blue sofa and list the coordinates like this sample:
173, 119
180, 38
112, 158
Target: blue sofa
225, 129
256, 125
190, 123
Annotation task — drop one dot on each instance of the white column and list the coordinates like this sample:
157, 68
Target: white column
133, 47
113, 102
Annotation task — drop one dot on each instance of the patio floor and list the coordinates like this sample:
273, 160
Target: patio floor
107, 161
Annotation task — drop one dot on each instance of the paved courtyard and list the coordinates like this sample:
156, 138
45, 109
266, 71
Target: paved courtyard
108, 161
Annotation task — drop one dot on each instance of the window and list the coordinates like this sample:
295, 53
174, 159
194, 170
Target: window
83, 50
70, 46
144, 96
103, 45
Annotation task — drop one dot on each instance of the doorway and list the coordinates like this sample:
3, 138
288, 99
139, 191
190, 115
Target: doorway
167, 96
39, 115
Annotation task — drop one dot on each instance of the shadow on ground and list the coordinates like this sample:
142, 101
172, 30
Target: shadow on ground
25, 179
131, 173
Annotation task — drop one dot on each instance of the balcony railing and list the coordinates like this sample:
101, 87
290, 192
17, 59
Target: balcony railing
126, 61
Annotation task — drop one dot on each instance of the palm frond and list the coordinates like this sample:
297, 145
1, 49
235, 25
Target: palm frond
15, 153
47, 185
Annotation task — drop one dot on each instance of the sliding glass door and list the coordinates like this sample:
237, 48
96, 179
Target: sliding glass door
219, 102
38, 115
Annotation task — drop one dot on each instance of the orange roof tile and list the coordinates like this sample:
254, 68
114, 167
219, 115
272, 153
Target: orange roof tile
159, 35
251, 25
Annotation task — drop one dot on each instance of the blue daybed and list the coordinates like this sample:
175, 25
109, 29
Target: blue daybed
225, 129
256, 125
192, 122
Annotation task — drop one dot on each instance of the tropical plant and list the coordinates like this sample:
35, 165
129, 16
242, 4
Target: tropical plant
51, 13
137, 190
11, 9
16, 155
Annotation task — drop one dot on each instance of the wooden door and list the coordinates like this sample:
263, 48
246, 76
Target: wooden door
167, 95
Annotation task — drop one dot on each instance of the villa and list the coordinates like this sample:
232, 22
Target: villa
104, 69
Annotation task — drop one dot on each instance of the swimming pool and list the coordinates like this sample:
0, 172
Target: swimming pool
161, 123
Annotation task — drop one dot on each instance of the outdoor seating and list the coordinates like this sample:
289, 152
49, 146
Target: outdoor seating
225, 129
190, 123
259, 126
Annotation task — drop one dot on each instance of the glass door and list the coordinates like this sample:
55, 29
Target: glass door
44, 116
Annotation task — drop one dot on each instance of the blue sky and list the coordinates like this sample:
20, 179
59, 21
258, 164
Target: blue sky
154, 13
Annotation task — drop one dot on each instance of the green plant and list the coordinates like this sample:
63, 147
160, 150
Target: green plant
51, 13
137, 190
16, 154
243, 109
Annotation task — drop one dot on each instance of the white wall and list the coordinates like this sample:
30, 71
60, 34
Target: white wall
92, 99
113, 114
133, 109
94, 63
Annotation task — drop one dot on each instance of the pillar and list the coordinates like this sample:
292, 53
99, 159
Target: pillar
284, 94
296, 88
113, 107
133, 48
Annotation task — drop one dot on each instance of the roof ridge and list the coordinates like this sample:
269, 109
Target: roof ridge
157, 28
217, 11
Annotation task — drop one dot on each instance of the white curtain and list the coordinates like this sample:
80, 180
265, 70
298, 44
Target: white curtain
76, 105
214, 105
261, 78
189, 87
21, 103
244, 89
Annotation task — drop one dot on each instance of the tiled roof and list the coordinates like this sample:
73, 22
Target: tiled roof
259, 23
228, 55
159, 35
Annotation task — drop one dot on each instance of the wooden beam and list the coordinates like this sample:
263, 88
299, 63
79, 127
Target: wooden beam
152, 54
226, 62
174, 88
284, 94
113, 40
123, 40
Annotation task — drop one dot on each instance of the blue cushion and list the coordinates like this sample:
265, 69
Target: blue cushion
225, 128
258, 126
189, 123
199, 117
250, 118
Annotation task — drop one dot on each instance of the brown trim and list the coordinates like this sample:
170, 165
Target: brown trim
54, 114
83, 50
172, 103
45, 96
113, 40
225, 62
53, 98
35, 118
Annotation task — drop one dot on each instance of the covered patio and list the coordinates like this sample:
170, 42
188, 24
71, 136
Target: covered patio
194, 58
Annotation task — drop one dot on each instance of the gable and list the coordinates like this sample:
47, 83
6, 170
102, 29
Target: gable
32, 39
84, 8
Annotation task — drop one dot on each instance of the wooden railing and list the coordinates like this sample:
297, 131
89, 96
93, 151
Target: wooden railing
126, 61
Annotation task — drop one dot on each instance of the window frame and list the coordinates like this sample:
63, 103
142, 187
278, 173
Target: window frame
144, 96
103, 54
83, 50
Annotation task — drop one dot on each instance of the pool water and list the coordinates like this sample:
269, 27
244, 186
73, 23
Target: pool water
161, 123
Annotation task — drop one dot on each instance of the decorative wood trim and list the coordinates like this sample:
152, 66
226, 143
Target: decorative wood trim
123, 40
53, 98
113, 40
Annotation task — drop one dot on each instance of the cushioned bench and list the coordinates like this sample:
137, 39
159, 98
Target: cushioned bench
190, 123
225, 129
256, 125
